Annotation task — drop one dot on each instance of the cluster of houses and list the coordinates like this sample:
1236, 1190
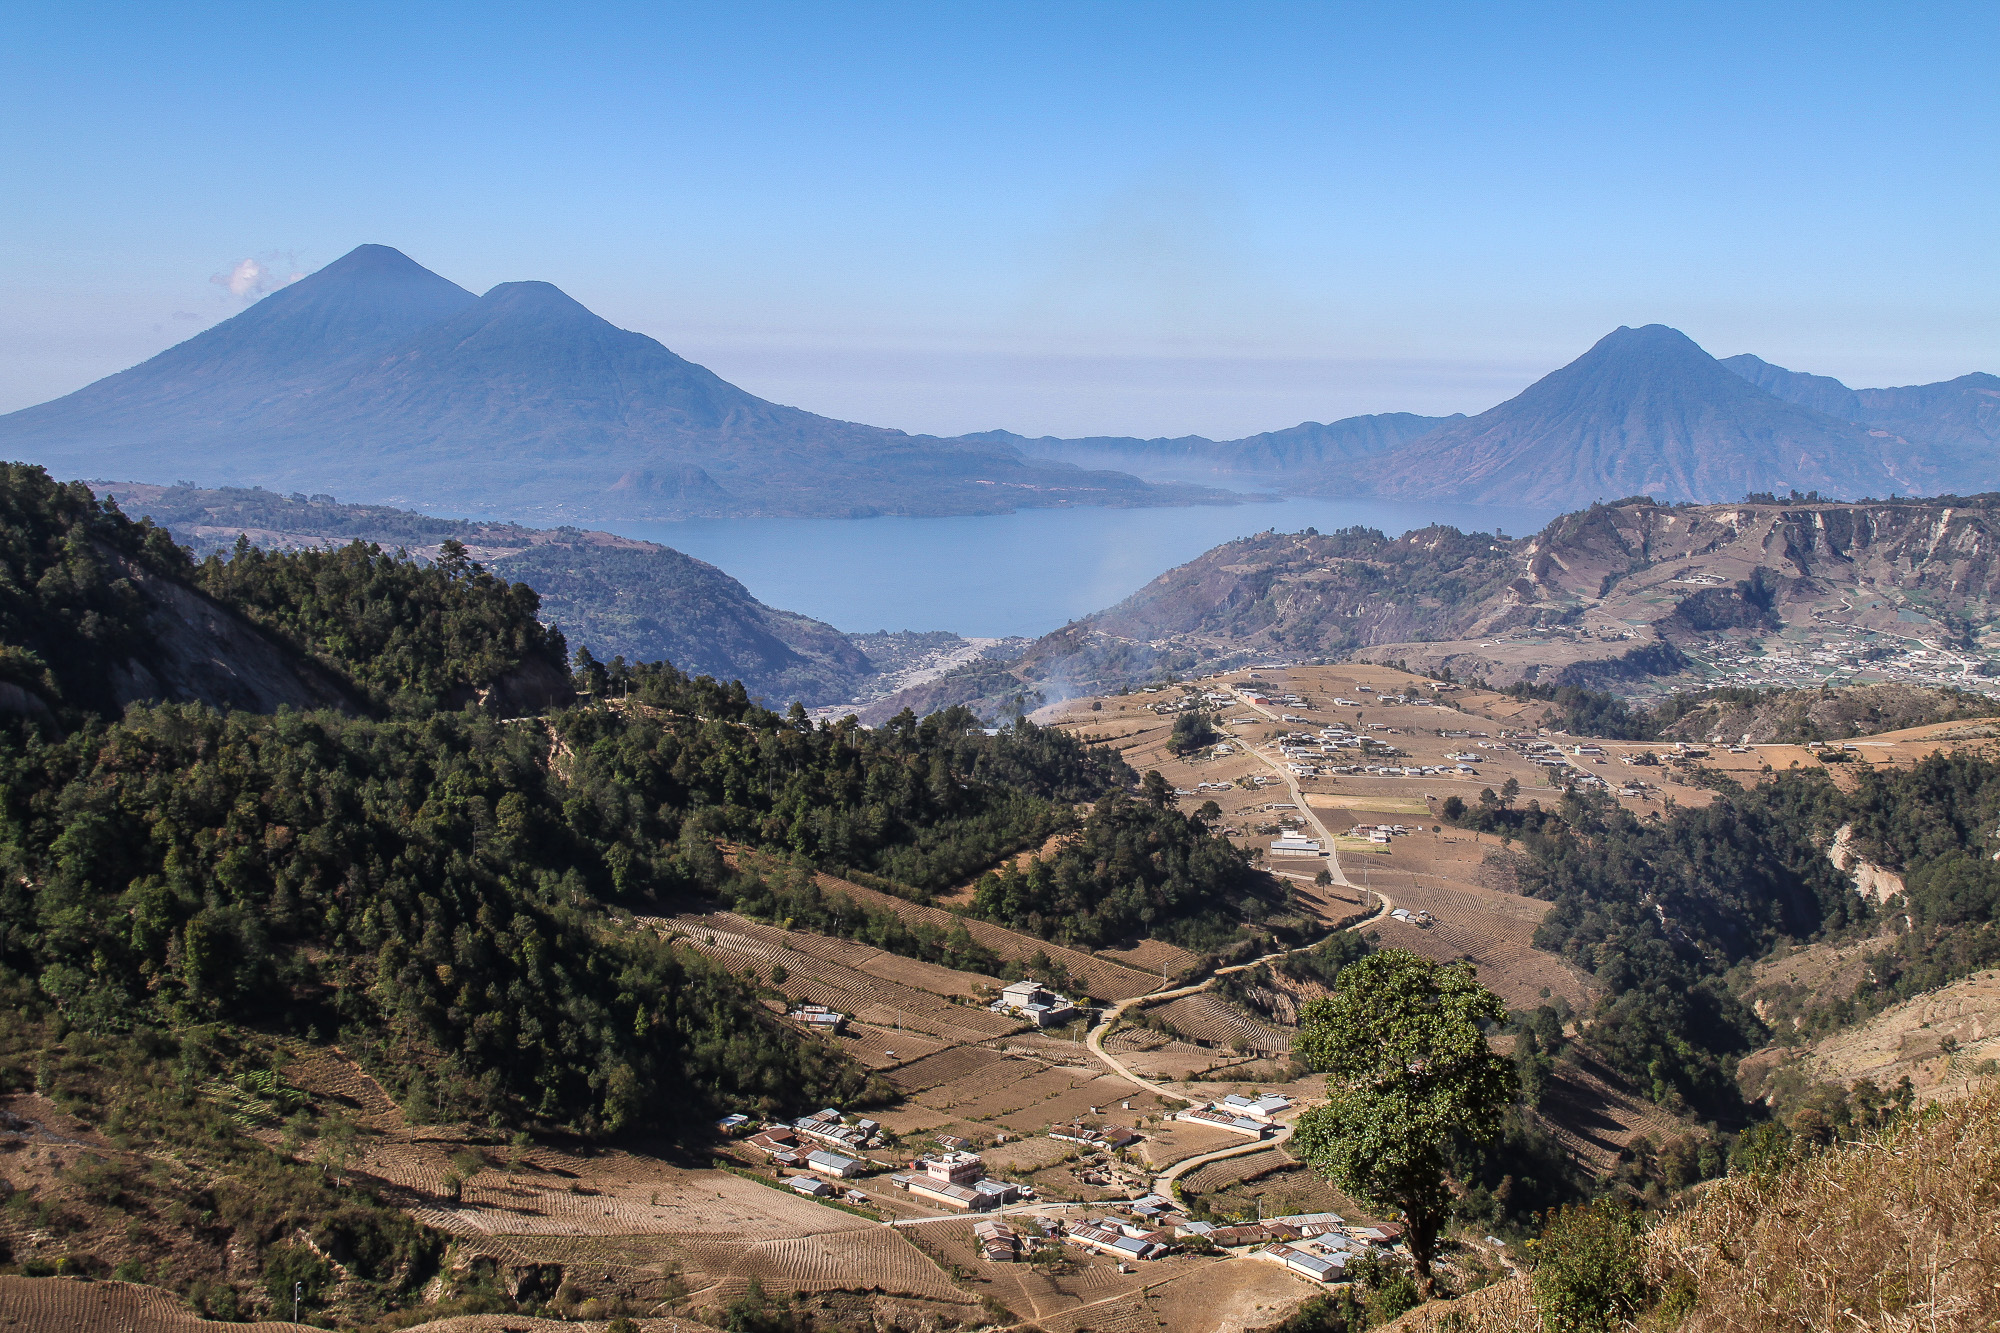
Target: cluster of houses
1038, 1005
823, 1144
1108, 1137
1378, 833
1265, 697
1314, 1245
1253, 1117
956, 1180
1303, 753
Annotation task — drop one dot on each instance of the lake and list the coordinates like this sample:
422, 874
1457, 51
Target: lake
1024, 573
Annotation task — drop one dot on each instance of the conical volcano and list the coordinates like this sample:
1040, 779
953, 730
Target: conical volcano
1646, 412
379, 380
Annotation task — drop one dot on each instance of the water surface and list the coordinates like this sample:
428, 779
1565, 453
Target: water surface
1004, 574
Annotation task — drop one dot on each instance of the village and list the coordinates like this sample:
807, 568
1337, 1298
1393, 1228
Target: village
1102, 1140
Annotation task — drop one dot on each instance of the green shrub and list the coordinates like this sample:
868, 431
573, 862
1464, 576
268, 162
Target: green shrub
295, 1267
1587, 1275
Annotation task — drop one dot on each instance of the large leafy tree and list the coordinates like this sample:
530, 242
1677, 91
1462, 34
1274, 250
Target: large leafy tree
1408, 1071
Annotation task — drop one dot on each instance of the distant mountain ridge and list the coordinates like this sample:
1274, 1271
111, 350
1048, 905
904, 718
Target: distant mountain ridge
1272, 456
611, 595
616, 596
1958, 414
378, 378
384, 381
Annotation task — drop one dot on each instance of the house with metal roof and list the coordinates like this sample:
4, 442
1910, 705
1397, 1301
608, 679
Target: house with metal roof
1306, 1264
1106, 1240
1235, 1124
834, 1164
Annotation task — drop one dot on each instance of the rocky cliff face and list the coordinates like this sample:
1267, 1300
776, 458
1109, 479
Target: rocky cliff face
202, 652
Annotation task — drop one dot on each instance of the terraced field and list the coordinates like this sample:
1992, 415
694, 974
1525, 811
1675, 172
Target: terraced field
1595, 1119
1210, 1018
1155, 957
325, 1072
1028, 1154
1220, 1175
610, 1193
885, 1048
847, 1261
819, 980
953, 1063
71, 1305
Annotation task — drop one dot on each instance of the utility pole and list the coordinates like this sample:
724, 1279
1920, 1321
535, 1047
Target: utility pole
298, 1294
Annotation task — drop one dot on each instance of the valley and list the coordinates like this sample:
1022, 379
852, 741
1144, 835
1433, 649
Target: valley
1075, 1123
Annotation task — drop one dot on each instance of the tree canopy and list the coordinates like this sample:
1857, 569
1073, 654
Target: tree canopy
1403, 1044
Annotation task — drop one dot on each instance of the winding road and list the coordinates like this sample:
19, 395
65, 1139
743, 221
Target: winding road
1108, 1018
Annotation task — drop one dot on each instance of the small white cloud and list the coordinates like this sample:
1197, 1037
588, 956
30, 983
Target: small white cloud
251, 278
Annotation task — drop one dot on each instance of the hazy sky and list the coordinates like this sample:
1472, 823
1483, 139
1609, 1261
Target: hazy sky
1076, 218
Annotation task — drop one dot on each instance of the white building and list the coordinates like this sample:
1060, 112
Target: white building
1266, 1108
1235, 1124
833, 1164
953, 1168
1305, 1263
1043, 1008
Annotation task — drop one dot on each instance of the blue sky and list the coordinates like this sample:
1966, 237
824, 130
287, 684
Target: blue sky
1133, 218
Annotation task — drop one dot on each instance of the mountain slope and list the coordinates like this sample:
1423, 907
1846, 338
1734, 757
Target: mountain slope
1645, 412
616, 596
1612, 596
1959, 416
379, 378
97, 613
286, 346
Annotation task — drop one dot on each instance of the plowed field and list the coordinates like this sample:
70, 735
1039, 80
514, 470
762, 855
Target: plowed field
1210, 1018
847, 1260
69, 1305
1494, 930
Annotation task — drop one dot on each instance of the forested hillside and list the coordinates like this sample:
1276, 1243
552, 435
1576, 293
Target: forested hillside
1663, 912
620, 596
439, 862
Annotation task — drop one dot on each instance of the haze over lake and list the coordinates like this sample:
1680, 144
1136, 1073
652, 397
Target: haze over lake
1024, 573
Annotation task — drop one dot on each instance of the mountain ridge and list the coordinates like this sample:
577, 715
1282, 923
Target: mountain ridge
1266, 456
1961, 414
1646, 411
1632, 596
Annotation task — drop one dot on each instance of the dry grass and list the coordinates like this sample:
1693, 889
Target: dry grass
1504, 1307
1900, 1232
